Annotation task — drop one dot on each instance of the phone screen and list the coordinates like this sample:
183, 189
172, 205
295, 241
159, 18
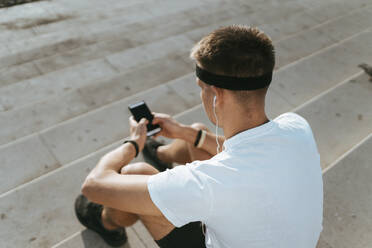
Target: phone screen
140, 110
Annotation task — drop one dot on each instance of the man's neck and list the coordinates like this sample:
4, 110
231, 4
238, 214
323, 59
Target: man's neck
243, 123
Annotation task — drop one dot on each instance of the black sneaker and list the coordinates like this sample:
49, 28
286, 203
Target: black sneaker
151, 157
89, 214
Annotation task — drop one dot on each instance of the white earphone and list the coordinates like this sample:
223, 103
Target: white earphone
218, 144
215, 115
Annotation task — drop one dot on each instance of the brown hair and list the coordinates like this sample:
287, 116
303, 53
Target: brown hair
236, 50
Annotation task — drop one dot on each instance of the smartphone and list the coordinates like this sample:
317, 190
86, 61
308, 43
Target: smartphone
140, 110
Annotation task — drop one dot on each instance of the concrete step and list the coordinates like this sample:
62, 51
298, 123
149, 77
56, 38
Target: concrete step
37, 116
26, 21
347, 199
41, 9
325, 10
343, 115
63, 40
321, 36
77, 13
16, 73
47, 17
10, 18
138, 237
293, 22
124, 37
88, 238
123, 15
129, 36
50, 202
37, 121
55, 41
263, 18
34, 123
305, 78
95, 96
183, 91
94, 51
39, 88
108, 32
25, 160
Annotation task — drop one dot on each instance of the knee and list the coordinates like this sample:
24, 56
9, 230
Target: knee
199, 125
140, 168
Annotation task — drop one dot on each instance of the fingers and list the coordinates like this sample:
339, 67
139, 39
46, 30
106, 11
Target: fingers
133, 122
159, 117
143, 121
156, 121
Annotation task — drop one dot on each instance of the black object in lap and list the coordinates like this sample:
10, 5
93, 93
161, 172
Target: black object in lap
187, 236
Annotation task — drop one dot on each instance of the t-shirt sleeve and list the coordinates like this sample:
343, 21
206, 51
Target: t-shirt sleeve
181, 194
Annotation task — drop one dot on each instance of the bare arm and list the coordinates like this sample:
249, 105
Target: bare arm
189, 134
105, 185
175, 130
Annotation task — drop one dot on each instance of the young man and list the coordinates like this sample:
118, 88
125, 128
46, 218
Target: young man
263, 188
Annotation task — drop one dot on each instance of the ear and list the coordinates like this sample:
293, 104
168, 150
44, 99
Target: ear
218, 92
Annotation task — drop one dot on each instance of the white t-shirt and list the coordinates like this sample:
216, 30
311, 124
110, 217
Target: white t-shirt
263, 190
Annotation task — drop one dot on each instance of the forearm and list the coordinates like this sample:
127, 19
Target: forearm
106, 186
114, 160
189, 134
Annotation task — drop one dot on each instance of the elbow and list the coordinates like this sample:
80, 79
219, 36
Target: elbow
89, 187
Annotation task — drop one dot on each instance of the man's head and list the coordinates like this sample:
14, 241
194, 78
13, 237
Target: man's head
236, 51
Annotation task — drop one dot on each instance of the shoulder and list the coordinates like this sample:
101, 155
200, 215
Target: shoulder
295, 126
292, 121
291, 118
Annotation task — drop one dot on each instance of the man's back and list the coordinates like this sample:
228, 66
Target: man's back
263, 190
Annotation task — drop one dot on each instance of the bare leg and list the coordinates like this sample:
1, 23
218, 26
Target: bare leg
158, 227
174, 152
181, 152
113, 218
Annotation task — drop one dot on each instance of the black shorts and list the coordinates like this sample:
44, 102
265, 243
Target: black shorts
187, 236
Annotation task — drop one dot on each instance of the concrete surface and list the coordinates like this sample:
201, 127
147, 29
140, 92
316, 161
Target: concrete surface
348, 199
52, 110
70, 68
340, 118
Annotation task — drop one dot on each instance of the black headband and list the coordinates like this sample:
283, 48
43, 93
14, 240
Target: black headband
234, 83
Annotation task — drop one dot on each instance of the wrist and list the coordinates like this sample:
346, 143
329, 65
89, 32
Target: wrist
182, 132
139, 140
189, 134
133, 146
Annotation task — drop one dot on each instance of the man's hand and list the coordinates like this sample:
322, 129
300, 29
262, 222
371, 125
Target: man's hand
170, 128
138, 131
